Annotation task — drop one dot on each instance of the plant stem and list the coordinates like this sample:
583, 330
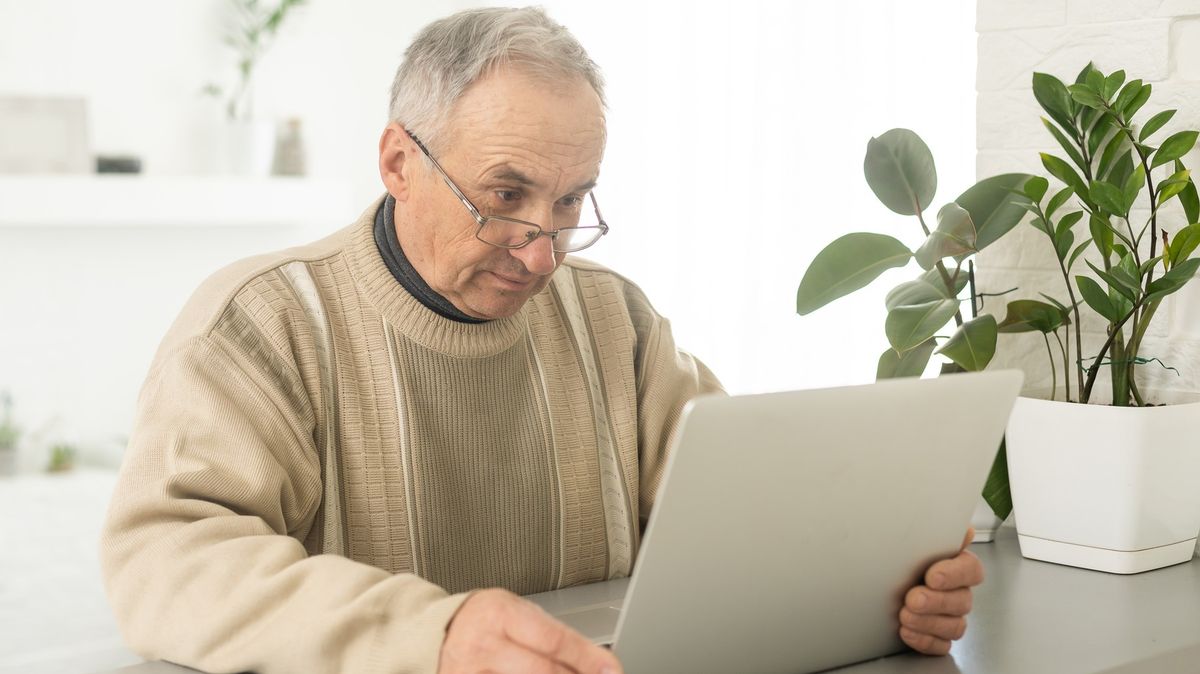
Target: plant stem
1066, 363
1053, 372
1092, 371
943, 272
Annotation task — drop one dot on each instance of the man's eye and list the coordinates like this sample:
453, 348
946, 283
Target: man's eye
508, 196
571, 202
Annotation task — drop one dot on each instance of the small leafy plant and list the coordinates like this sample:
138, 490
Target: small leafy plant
250, 37
1111, 173
10, 433
900, 170
1113, 169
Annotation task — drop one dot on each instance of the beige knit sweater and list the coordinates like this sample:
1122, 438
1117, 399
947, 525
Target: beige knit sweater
321, 467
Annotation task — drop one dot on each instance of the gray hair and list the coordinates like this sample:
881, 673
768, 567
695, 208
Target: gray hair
449, 54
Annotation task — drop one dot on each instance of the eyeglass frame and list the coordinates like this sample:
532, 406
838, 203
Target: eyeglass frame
481, 219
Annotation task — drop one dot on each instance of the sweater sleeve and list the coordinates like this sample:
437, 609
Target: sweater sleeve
201, 552
667, 379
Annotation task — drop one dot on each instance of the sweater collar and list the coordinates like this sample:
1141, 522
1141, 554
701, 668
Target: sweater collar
408, 315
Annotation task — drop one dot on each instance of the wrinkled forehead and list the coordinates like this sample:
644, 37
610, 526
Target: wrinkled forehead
548, 114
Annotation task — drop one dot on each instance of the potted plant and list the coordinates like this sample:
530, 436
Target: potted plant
10, 434
250, 142
1108, 486
900, 170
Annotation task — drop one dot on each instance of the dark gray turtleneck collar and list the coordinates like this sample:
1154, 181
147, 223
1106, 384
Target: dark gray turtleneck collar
396, 261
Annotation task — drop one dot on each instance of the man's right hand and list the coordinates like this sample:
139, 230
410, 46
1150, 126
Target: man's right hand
497, 631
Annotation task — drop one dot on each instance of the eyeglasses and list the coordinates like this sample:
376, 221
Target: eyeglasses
503, 232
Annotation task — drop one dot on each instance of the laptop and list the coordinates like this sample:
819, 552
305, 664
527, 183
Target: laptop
789, 526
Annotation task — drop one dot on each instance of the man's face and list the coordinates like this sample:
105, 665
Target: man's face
519, 147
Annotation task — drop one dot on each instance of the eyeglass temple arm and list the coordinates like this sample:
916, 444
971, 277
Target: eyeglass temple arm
449, 183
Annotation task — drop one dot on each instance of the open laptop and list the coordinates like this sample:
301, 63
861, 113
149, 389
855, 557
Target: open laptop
789, 525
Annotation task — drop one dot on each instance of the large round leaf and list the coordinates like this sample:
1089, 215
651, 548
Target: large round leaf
899, 168
911, 363
909, 326
847, 264
973, 345
955, 235
995, 206
1033, 316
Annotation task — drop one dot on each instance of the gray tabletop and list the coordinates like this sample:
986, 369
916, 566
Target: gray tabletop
1032, 617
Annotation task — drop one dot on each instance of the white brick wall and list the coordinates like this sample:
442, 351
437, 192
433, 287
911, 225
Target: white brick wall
1157, 41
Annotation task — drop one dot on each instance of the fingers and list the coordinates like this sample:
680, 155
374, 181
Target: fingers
925, 601
497, 631
924, 643
945, 627
534, 629
970, 537
964, 570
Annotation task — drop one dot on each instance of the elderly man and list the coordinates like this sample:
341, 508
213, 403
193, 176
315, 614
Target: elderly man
354, 455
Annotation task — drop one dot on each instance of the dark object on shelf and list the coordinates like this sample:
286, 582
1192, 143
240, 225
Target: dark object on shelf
118, 164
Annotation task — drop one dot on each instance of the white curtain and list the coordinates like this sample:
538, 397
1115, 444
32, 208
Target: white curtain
736, 139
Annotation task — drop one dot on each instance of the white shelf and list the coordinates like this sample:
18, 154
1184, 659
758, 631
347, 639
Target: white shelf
157, 201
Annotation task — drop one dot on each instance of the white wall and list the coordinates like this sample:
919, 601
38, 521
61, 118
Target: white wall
736, 135
1157, 41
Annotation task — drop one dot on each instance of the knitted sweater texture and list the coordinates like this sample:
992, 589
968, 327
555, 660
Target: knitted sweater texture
321, 468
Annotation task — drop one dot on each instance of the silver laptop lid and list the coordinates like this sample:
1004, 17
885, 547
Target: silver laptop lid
789, 525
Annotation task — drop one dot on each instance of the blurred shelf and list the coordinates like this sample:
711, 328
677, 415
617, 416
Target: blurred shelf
169, 201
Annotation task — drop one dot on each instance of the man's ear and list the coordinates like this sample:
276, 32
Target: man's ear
397, 160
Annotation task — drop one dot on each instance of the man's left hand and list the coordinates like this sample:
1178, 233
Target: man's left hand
934, 614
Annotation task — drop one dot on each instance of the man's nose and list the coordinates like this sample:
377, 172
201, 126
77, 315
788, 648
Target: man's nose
538, 257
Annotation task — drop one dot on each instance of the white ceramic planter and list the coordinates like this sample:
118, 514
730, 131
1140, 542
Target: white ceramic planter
249, 147
1115, 489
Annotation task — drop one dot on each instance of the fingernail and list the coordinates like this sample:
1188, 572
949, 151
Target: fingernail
939, 579
920, 600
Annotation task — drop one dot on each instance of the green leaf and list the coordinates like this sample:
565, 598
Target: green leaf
1117, 282
1066, 144
1189, 199
996, 491
1112, 84
1128, 93
899, 168
1031, 316
1035, 188
1059, 199
1069, 220
914, 292
1063, 240
994, 206
1174, 147
1155, 123
1111, 149
1122, 168
1184, 243
1097, 298
1138, 101
1173, 280
908, 326
1085, 73
1098, 133
847, 264
1133, 185
1102, 234
1149, 264
1108, 197
934, 278
973, 344
1086, 95
1094, 79
955, 235
1079, 250
1041, 225
1054, 98
1063, 171
1173, 185
911, 363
